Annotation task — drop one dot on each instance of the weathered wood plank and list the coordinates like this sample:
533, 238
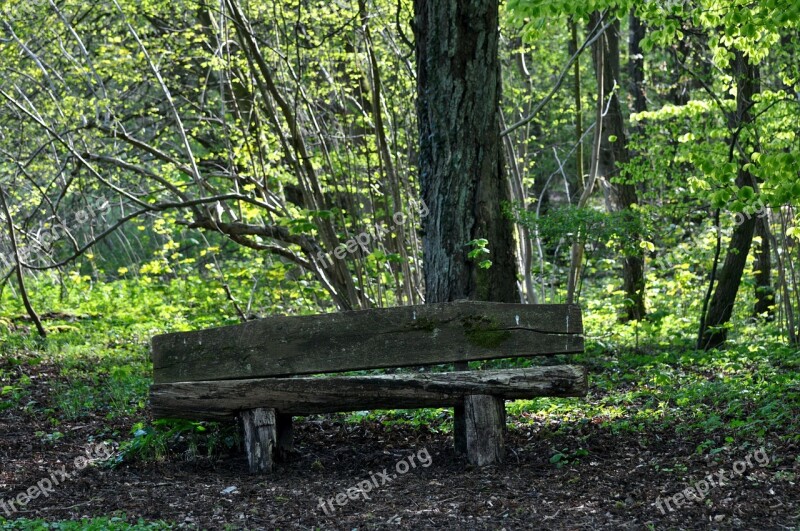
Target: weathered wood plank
260, 436
484, 417
217, 400
368, 339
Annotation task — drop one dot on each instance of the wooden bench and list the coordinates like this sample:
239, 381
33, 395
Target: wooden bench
260, 371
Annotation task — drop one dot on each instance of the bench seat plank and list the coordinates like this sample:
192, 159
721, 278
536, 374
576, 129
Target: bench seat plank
218, 400
404, 336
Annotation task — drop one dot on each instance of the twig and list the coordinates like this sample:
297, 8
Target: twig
593, 37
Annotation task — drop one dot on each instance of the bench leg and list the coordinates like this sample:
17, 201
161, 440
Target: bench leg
260, 438
285, 436
459, 430
484, 417
459, 421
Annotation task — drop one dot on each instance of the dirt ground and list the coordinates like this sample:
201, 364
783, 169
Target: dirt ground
616, 485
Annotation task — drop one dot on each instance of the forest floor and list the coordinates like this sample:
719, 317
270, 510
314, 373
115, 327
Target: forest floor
557, 475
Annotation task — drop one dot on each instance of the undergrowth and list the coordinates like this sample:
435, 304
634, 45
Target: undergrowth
643, 375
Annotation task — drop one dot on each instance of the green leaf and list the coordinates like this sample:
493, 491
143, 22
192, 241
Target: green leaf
746, 193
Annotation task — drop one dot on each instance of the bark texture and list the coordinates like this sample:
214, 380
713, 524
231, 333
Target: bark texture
461, 164
462, 171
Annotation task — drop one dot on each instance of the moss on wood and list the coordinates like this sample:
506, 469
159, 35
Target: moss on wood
484, 332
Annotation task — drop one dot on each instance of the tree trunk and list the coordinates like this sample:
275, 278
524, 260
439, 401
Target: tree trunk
636, 62
712, 325
765, 294
713, 334
576, 94
613, 153
461, 155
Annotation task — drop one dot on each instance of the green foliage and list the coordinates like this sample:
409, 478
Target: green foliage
436, 420
166, 437
751, 28
540, 11
479, 248
12, 395
565, 457
564, 226
156, 134
94, 524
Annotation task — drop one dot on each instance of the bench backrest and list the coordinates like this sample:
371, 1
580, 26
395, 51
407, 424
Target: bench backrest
368, 339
